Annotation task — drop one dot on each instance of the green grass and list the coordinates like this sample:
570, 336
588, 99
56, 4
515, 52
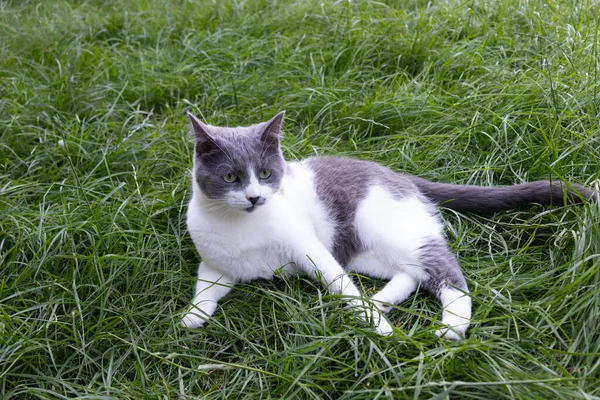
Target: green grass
96, 267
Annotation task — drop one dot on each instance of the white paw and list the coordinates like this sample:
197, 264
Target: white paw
453, 334
384, 328
192, 320
373, 315
384, 308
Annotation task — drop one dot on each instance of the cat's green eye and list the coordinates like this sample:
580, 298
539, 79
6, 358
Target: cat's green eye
230, 177
264, 173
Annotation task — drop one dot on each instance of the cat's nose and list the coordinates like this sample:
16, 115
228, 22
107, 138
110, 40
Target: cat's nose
253, 200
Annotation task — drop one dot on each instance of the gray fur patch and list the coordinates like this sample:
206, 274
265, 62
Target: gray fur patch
341, 184
441, 266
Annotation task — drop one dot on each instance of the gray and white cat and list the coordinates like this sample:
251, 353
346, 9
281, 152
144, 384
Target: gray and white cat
252, 213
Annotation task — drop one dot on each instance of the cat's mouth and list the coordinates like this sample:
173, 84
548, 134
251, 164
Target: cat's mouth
252, 208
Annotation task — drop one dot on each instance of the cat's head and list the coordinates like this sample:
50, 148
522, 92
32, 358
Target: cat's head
238, 168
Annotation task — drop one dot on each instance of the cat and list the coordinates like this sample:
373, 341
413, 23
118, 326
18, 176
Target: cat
253, 214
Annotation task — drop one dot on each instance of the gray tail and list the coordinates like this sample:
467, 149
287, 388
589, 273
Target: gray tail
486, 200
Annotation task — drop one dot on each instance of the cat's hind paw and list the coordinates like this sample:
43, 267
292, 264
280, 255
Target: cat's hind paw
192, 320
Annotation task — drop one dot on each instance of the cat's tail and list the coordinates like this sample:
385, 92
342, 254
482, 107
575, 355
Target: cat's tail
485, 200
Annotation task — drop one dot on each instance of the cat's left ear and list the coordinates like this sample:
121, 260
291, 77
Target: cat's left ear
199, 129
273, 127
204, 141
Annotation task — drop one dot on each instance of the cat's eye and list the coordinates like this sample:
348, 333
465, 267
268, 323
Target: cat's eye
230, 177
264, 173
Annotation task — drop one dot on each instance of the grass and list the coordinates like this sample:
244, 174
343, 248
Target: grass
96, 267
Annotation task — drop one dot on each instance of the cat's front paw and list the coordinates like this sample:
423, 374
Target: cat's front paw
383, 308
452, 334
192, 320
384, 328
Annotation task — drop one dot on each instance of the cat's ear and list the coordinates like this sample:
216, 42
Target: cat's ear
273, 127
204, 142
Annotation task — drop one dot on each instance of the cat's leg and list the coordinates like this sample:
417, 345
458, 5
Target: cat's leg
400, 284
446, 281
395, 291
456, 315
406, 235
210, 287
436, 269
318, 262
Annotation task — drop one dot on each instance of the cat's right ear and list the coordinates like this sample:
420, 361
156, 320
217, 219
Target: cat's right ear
204, 142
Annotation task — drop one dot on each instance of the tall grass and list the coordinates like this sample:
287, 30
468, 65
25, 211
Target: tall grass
96, 267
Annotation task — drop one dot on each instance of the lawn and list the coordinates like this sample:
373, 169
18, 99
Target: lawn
96, 267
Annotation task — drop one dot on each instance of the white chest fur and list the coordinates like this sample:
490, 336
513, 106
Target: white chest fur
253, 245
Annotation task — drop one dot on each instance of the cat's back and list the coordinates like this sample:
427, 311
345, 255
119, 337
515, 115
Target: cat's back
340, 181
342, 186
